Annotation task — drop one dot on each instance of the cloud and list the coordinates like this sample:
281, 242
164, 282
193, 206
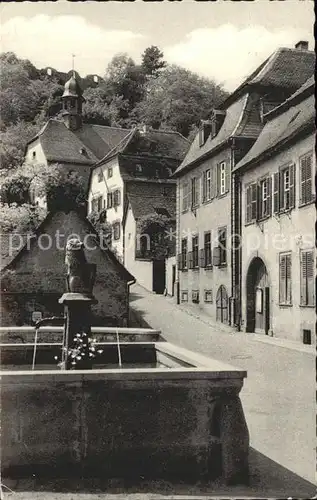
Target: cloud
228, 54
51, 41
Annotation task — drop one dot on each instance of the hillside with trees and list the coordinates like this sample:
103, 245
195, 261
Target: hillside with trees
153, 92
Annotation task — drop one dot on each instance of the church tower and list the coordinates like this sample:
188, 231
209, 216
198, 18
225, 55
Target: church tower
72, 103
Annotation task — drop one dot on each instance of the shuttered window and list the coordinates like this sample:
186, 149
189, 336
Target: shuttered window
184, 249
285, 289
251, 209
116, 198
305, 181
222, 178
287, 188
116, 230
264, 200
109, 200
185, 197
195, 251
222, 242
195, 191
207, 193
207, 250
307, 297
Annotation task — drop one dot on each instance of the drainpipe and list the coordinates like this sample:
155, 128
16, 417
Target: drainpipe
233, 232
129, 284
177, 240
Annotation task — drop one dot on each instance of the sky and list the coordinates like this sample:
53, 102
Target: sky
222, 40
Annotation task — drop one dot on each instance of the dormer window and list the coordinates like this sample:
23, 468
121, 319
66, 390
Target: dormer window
217, 120
204, 131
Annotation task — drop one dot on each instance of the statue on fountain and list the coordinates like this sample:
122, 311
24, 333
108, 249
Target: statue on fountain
80, 274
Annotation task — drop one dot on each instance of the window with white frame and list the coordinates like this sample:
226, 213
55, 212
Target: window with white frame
284, 189
264, 200
222, 178
185, 196
307, 289
251, 203
195, 191
207, 185
285, 289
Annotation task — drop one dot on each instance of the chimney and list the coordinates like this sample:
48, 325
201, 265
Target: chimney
301, 45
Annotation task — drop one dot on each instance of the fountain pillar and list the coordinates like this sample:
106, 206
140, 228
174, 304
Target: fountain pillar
77, 303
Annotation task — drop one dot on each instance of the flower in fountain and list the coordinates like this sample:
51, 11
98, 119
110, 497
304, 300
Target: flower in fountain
82, 346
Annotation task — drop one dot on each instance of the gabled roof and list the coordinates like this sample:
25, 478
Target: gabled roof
234, 124
11, 260
286, 68
63, 145
293, 117
151, 143
150, 198
150, 166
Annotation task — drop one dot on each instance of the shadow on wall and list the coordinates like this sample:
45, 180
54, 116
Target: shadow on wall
267, 479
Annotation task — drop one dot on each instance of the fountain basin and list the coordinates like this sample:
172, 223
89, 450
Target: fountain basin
180, 417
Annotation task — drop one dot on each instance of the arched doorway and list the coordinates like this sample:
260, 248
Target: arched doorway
222, 305
257, 297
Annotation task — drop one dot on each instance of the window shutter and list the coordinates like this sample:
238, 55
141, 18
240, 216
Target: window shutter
213, 182
258, 202
306, 179
248, 204
202, 260
216, 256
292, 186
303, 279
218, 180
197, 187
179, 261
288, 279
281, 185
254, 207
282, 278
227, 178
190, 260
204, 186
310, 278
276, 191
269, 196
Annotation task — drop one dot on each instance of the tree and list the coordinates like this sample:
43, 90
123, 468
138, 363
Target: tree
178, 99
152, 61
63, 189
20, 218
96, 107
13, 141
126, 79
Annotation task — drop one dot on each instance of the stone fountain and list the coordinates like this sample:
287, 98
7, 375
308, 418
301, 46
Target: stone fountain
166, 412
